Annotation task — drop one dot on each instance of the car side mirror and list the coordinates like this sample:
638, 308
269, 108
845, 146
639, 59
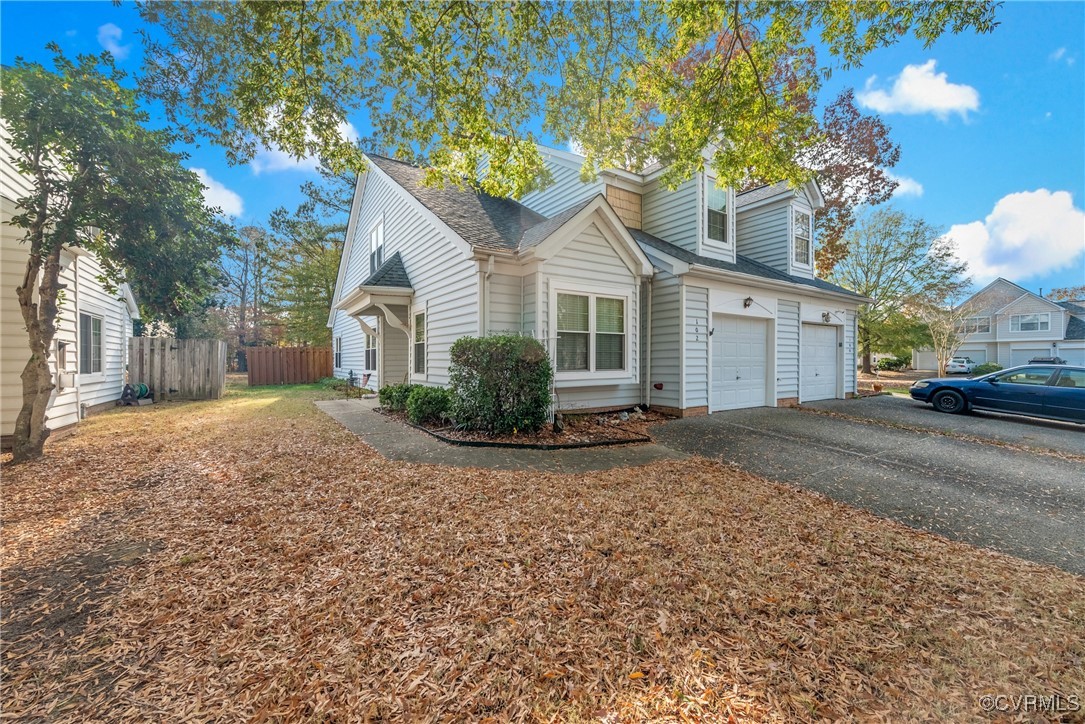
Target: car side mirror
992, 381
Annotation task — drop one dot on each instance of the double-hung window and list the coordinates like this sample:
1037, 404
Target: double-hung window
90, 344
717, 212
975, 325
1030, 322
376, 247
802, 235
338, 352
420, 343
591, 333
370, 353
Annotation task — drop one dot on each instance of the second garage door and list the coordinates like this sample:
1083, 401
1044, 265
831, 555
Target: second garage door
1022, 356
739, 348
819, 361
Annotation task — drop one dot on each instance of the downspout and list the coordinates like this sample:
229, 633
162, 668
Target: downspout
648, 351
485, 316
81, 414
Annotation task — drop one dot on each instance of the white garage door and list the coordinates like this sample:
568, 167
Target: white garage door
819, 362
1022, 356
739, 352
979, 356
1073, 355
924, 360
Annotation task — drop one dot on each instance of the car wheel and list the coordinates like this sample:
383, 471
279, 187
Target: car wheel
948, 401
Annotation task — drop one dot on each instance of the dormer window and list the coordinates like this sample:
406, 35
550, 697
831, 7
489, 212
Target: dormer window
801, 251
717, 212
376, 247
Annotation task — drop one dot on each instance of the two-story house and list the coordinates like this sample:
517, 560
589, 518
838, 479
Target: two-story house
692, 300
1010, 325
90, 350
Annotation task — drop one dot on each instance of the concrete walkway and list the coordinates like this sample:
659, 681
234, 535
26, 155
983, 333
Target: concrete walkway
396, 441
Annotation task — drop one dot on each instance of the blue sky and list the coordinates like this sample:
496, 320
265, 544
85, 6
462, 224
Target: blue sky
991, 130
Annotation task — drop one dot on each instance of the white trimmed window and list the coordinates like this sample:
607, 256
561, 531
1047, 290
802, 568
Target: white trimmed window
975, 325
376, 246
591, 333
90, 344
801, 229
338, 352
420, 343
370, 353
716, 200
1030, 322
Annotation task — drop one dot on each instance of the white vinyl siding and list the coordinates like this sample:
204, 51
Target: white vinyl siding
674, 216
588, 264
504, 303
696, 346
566, 190
851, 375
445, 281
352, 353
762, 234
787, 349
666, 334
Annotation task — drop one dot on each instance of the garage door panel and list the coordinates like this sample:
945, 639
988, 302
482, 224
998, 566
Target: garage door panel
979, 356
739, 362
819, 362
1022, 356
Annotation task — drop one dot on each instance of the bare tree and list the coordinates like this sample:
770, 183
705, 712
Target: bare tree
947, 321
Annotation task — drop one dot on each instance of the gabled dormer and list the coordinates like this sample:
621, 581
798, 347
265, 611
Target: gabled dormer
775, 226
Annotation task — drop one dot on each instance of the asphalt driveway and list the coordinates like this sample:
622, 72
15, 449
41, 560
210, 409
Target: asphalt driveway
1033, 432
1029, 505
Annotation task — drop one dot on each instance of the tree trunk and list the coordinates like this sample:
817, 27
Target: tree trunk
867, 366
40, 320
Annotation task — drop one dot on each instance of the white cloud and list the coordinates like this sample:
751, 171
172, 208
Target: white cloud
1057, 55
71, 33
215, 194
271, 160
1061, 54
919, 89
1027, 234
906, 186
109, 37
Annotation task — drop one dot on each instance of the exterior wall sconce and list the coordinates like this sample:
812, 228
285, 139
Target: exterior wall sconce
747, 302
826, 317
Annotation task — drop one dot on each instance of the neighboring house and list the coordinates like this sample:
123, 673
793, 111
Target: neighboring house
90, 350
693, 300
1010, 325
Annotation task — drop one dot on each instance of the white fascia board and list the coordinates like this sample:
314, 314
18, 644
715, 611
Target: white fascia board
619, 236
129, 300
707, 272
348, 242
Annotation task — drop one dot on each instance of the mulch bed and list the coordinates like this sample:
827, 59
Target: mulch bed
581, 430
250, 560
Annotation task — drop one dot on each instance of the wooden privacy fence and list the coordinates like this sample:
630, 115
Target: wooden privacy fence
178, 369
288, 365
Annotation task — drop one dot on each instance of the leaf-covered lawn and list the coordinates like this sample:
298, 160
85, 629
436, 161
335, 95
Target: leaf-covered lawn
249, 559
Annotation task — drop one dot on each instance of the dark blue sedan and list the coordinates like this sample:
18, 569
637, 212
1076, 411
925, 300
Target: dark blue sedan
1054, 392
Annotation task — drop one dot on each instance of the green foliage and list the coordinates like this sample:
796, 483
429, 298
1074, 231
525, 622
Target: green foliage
893, 364
500, 384
428, 404
986, 368
459, 83
900, 262
394, 397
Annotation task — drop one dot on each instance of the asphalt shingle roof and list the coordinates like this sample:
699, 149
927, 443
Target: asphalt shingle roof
390, 274
1075, 327
741, 265
536, 234
481, 219
761, 192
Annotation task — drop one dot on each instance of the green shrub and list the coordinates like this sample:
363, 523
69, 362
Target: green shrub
394, 397
986, 368
428, 404
500, 384
894, 364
